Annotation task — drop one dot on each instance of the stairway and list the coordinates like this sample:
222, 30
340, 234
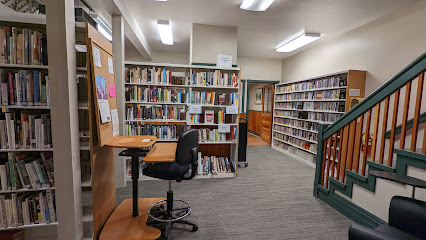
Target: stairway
393, 117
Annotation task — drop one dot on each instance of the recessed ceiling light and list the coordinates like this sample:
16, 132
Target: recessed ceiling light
166, 33
256, 5
298, 42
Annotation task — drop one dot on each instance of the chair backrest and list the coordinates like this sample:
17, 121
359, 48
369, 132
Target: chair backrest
186, 146
408, 215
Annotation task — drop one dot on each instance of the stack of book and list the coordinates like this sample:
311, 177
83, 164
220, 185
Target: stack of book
162, 132
27, 208
154, 94
27, 171
153, 75
137, 112
24, 88
210, 135
216, 79
196, 97
20, 129
215, 165
22, 46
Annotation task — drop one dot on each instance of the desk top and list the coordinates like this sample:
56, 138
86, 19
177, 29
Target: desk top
131, 141
161, 152
415, 182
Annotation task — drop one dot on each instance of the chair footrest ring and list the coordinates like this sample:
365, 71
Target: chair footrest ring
158, 211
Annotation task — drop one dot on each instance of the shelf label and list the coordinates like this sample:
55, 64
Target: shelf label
224, 128
231, 110
194, 109
354, 92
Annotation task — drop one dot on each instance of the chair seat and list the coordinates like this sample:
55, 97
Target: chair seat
166, 171
395, 233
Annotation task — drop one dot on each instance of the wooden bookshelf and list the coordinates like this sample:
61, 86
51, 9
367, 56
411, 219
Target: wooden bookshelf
300, 105
187, 83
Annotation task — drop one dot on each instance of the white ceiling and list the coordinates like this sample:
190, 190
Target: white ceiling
259, 33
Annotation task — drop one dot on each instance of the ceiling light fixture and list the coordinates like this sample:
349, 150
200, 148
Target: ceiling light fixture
102, 27
166, 33
256, 5
298, 42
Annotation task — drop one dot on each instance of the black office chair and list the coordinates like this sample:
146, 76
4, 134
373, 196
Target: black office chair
185, 160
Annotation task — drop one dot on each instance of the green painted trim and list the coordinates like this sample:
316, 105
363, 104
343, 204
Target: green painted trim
380, 167
422, 119
255, 133
248, 81
243, 97
408, 73
320, 149
408, 153
208, 64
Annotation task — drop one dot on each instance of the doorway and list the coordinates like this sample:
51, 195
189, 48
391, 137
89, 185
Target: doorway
259, 110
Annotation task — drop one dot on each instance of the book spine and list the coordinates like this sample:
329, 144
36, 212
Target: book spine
3, 218
52, 212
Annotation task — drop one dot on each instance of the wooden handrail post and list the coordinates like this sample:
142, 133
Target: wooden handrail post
320, 149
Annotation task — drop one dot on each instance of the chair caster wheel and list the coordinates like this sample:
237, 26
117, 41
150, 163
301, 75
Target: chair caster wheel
194, 228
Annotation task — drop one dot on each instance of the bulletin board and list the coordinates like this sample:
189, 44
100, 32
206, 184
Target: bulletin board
102, 158
101, 64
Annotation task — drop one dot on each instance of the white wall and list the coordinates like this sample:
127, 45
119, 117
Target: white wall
208, 40
158, 57
383, 48
260, 69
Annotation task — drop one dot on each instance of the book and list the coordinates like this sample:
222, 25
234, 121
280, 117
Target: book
209, 116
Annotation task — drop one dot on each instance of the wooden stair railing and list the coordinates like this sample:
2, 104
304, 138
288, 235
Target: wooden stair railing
344, 144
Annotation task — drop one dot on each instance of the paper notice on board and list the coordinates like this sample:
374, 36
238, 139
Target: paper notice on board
354, 92
104, 111
110, 66
115, 122
224, 60
97, 57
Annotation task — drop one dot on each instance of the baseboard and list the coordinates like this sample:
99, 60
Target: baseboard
255, 133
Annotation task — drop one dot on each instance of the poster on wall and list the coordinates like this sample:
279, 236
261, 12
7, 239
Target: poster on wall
102, 95
258, 96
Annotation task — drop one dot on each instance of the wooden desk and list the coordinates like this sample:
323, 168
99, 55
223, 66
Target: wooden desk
132, 141
161, 152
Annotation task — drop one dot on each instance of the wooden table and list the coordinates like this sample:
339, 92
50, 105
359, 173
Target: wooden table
135, 146
415, 182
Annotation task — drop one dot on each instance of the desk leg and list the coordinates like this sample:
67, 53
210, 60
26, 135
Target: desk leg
135, 177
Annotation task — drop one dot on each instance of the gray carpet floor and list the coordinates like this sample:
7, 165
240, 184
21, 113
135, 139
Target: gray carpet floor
270, 199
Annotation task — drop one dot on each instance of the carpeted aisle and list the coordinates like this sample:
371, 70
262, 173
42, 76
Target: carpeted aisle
270, 199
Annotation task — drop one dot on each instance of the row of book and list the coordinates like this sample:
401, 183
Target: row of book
154, 94
280, 144
209, 98
21, 129
314, 95
27, 208
153, 75
22, 46
296, 132
314, 116
325, 106
161, 131
213, 135
209, 117
137, 112
312, 126
24, 88
216, 79
295, 141
336, 81
27, 171
215, 165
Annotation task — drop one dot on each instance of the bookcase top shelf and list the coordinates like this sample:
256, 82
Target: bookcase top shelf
170, 65
17, 17
27, 150
23, 66
24, 107
29, 226
180, 86
314, 78
312, 100
27, 190
307, 110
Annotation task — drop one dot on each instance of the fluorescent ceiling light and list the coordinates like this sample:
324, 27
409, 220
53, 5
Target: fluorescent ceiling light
165, 30
298, 42
102, 27
256, 5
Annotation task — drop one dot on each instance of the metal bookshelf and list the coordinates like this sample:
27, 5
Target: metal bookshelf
304, 91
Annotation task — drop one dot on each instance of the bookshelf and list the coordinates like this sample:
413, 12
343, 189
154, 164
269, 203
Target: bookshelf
26, 149
166, 99
299, 107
